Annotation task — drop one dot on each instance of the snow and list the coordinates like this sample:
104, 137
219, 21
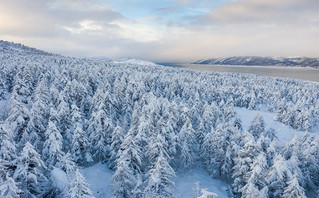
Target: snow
59, 178
98, 177
135, 61
185, 183
284, 132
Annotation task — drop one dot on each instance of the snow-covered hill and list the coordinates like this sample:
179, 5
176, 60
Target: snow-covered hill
262, 61
17, 47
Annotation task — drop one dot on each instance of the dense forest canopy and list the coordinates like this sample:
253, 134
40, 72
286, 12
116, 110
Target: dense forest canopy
146, 122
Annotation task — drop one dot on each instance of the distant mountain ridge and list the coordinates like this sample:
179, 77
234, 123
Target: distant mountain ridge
262, 61
6, 45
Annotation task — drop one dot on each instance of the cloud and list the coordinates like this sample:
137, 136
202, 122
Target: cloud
45, 18
182, 31
265, 12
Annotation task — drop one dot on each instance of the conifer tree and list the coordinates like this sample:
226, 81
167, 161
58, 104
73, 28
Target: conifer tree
186, 140
243, 162
117, 139
67, 165
80, 146
80, 149
78, 188
293, 189
29, 172
278, 176
128, 167
257, 126
19, 117
8, 188
100, 130
7, 146
52, 149
159, 182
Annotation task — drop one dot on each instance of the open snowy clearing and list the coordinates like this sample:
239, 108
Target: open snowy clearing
185, 183
284, 133
99, 179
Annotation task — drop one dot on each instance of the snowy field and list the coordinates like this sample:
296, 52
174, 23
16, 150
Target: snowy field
99, 179
284, 133
185, 183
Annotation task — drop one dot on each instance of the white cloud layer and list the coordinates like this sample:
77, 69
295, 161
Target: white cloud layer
92, 28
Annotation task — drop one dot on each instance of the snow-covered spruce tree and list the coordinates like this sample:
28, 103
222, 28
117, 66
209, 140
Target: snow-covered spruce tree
271, 152
19, 117
170, 136
128, 168
212, 116
67, 165
206, 150
157, 145
291, 147
186, 141
257, 126
263, 143
271, 134
30, 172
263, 193
250, 190
80, 145
196, 111
3, 87
77, 93
278, 176
200, 133
78, 188
184, 114
217, 155
308, 162
7, 145
52, 148
142, 129
39, 114
97, 99
304, 150
117, 139
293, 189
23, 85
64, 122
118, 105
61, 81
8, 188
255, 177
100, 133
243, 162
123, 179
228, 111
159, 183
222, 141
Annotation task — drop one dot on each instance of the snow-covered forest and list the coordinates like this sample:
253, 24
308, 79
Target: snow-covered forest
147, 122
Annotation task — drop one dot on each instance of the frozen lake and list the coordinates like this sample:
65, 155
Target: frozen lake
303, 73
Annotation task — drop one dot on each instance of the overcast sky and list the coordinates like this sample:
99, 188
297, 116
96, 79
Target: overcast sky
164, 30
